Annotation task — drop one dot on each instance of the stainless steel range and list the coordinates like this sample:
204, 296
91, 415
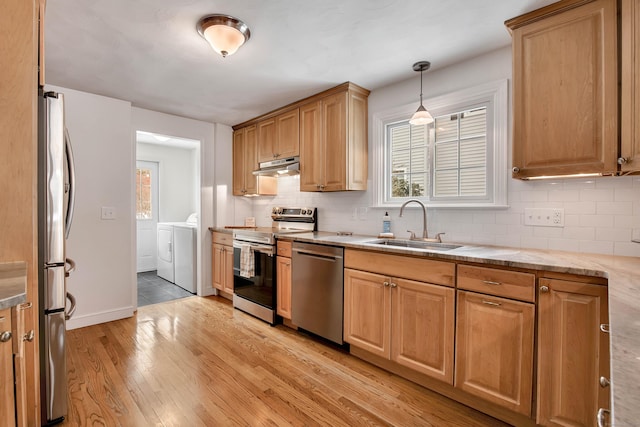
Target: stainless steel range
254, 260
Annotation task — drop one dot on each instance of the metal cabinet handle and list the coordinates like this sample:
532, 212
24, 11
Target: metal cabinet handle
604, 382
29, 336
394, 285
489, 282
544, 289
602, 415
515, 169
5, 336
491, 303
604, 327
623, 160
385, 283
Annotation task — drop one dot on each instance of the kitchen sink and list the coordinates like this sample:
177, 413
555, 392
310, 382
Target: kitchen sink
415, 244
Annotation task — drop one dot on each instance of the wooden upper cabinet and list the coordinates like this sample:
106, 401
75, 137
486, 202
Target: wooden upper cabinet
279, 137
494, 350
573, 353
245, 161
630, 86
333, 141
565, 89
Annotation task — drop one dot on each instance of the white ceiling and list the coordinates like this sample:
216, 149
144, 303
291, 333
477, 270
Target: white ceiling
149, 52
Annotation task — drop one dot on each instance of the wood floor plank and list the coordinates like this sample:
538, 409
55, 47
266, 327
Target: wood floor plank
199, 362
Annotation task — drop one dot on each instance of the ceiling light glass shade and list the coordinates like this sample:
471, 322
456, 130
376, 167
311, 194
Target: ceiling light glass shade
421, 117
224, 33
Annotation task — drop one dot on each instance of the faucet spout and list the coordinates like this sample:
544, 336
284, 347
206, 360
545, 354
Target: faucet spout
424, 215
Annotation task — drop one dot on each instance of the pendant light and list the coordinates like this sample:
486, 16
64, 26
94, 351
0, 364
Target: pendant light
421, 116
224, 33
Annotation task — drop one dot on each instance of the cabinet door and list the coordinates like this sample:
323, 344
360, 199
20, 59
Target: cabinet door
7, 399
630, 85
565, 92
228, 269
311, 147
283, 287
218, 273
267, 137
250, 159
334, 125
494, 350
367, 311
572, 352
238, 163
422, 327
288, 125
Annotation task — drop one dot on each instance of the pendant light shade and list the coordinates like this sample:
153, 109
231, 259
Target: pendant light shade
421, 116
224, 33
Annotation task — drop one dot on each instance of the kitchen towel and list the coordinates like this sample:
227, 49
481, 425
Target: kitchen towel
247, 262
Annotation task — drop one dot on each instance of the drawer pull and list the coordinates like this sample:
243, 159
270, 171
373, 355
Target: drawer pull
604, 382
602, 415
489, 282
544, 289
5, 336
604, 327
497, 304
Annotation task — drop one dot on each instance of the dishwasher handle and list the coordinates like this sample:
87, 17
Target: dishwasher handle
317, 254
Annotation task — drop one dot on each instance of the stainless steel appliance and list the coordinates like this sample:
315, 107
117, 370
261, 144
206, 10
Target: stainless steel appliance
317, 289
280, 167
56, 190
256, 294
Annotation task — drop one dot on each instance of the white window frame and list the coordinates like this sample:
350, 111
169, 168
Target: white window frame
495, 96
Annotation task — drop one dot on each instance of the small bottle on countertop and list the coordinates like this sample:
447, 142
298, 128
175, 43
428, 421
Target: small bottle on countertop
386, 223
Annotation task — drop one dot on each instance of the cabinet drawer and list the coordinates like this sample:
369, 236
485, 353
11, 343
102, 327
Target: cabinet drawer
284, 248
504, 283
420, 269
223, 238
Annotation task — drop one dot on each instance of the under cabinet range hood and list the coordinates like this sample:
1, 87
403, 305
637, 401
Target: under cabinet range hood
280, 167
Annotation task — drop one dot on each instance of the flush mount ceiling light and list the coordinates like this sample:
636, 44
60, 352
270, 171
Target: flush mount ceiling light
421, 116
224, 33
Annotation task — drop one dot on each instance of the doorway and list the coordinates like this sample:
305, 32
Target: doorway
167, 197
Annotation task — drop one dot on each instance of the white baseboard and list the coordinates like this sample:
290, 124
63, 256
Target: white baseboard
208, 292
96, 318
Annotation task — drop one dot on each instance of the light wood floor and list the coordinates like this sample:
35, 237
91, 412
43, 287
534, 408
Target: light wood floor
198, 362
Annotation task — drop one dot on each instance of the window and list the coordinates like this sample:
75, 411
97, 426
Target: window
458, 160
143, 194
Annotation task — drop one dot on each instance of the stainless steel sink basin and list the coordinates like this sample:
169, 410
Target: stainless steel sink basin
415, 244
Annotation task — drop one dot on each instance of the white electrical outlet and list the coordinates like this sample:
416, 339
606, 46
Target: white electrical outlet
544, 217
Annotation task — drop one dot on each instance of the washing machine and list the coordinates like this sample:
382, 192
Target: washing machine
177, 259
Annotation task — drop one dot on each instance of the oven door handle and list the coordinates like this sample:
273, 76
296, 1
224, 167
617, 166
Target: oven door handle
257, 248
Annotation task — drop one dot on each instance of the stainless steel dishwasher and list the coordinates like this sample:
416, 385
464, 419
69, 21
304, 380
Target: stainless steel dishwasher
317, 289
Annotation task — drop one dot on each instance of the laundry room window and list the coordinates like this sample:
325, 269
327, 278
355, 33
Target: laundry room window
459, 160
143, 194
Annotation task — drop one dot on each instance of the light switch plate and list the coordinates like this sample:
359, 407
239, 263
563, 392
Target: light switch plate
108, 213
544, 217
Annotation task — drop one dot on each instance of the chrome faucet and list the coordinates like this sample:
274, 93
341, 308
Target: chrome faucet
425, 235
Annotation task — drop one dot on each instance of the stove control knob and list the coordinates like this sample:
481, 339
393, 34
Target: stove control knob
303, 211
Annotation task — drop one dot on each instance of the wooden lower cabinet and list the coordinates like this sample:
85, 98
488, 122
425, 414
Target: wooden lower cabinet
573, 353
223, 268
283, 287
406, 321
7, 397
494, 350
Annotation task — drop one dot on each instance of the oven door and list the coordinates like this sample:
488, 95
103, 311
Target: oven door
261, 288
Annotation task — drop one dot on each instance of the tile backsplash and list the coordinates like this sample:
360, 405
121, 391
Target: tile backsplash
601, 215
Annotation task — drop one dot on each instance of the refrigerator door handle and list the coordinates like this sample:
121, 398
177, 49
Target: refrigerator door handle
72, 266
72, 309
72, 183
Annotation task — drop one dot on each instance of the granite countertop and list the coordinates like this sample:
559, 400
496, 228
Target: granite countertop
623, 274
13, 284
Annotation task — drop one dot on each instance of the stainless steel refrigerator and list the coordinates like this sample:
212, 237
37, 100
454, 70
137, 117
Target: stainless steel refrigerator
56, 190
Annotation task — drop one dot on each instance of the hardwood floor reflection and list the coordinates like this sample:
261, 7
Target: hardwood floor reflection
198, 362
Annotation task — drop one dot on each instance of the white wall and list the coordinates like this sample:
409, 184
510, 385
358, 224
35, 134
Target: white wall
601, 215
165, 124
100, 133
177, 179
